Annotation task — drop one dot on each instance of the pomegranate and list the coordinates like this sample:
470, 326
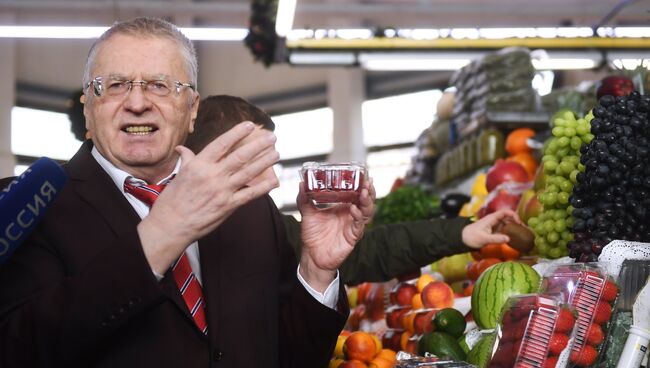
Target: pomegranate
505, 171
503, 200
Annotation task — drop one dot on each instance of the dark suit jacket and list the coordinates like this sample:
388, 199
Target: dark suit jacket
79, 291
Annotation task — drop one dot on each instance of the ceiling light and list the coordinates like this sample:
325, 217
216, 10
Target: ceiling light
415, 61
629, 60
284, 18
322, 58
565, 60
197, 34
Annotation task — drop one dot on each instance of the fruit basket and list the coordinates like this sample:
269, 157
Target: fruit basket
328, 184
586, 288
533, 331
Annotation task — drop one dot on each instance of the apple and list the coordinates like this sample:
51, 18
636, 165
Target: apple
437, 295
391, 339
615, 85
423, 321
394, 316
402, 293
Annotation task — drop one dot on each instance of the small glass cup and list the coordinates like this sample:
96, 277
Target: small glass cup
328, 185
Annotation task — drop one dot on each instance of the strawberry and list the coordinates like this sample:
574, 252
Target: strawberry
550, 362
595, 335
603, 313
558, 343
565, 321
585, 357
610, 291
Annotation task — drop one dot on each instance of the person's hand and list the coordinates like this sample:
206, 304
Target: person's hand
207, 189
329, 235
482, 232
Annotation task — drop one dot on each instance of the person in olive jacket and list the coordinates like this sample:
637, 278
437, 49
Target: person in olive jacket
385, 251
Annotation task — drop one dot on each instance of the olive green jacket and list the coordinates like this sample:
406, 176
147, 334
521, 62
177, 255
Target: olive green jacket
388, 251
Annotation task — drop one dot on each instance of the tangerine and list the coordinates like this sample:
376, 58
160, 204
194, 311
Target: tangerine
387, 354
517, 140
417, 301
423, 281
360, 346
381, 363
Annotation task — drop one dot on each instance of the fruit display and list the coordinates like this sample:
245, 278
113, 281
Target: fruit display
611, 198
561, 162
496, 285
587, 289
330, 184
533, 331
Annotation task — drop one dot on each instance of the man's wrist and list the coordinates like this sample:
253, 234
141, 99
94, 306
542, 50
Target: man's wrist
319, 279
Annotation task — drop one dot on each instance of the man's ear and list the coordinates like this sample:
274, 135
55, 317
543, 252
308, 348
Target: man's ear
194, 109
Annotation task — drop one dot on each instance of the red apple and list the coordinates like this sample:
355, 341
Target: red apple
394, 315
402, 293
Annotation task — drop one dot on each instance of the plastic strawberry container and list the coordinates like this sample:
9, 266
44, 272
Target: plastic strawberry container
533, 331
327, 185
588, 289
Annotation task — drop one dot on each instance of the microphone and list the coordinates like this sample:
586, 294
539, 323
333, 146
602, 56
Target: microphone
24, 202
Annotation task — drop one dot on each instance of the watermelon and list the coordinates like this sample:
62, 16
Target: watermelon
496, 285
481, 353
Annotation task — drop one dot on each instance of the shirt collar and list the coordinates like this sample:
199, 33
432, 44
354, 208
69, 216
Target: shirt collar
119, 176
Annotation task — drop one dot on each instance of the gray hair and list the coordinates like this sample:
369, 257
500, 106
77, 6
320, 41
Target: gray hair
147, 26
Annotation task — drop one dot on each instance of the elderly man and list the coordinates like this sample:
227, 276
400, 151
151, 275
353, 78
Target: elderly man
153, 256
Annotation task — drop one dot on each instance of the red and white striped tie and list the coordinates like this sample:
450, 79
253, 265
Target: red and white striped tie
183, 275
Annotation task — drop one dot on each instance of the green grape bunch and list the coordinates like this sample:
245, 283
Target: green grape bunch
561, 165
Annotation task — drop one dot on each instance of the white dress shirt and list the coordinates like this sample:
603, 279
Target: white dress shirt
328, 298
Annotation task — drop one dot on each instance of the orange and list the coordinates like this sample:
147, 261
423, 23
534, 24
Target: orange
353, 364
381, 363
508, 253
516, 142
338, 350
526, 160
423, 281
387, 354
360, 346
377, 344
406, 335
408, 322
417, 301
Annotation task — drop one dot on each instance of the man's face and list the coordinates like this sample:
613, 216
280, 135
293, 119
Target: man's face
137, 132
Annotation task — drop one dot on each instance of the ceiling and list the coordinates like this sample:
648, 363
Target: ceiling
342, 13
53, 66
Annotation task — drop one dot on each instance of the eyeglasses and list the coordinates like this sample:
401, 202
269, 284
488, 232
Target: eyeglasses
119, 88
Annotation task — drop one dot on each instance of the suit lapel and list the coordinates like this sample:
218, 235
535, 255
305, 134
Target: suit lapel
96, 187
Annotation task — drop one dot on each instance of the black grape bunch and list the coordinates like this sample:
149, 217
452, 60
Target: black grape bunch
611, 198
